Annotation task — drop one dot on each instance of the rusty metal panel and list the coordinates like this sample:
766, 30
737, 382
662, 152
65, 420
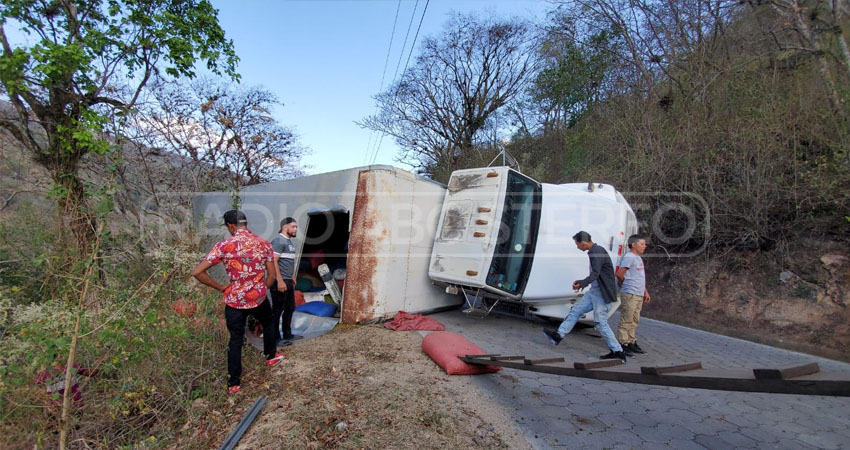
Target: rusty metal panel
393, 225
361, 284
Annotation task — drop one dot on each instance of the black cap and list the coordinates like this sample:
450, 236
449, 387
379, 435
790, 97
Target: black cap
235, 217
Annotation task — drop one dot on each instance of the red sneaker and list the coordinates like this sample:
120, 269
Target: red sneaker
278, 357
233, 389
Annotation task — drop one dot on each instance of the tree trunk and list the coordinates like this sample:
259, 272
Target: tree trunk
75, 210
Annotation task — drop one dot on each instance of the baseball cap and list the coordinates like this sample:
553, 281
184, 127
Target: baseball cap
235, 217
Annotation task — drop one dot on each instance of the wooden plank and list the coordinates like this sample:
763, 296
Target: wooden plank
532, 362
784, 374
670, 369
597, 364
833, 383
506, 358
488, 355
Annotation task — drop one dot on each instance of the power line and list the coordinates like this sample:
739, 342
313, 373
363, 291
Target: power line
395, 75
416, 36
412, 46
383, 76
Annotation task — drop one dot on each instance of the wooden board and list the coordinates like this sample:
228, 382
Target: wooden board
597, 364
506, 358
542, 361
670, 369
785, 374
488, 355
834, 384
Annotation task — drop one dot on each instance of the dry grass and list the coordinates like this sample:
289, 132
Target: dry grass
359, 387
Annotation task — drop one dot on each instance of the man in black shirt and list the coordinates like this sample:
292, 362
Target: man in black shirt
602, 292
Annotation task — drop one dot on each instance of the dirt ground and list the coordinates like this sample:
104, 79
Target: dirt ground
359, 387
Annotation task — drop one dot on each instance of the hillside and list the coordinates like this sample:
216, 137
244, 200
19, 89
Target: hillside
801, 302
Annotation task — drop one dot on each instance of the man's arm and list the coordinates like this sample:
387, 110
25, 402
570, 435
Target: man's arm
646, 297
200, 274
621, 274
595, 270
270, 269
281, 286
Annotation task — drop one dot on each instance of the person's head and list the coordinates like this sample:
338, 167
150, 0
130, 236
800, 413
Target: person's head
234, 220
583, 241
288, 227
637, 244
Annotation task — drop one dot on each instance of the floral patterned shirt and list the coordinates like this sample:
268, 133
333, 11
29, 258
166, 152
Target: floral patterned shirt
244, 256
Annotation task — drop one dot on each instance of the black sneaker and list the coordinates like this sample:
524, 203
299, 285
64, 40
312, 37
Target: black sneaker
615, 355
553, 336
627, 350
634, 347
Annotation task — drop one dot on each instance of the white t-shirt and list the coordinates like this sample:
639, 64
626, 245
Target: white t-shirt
635, 279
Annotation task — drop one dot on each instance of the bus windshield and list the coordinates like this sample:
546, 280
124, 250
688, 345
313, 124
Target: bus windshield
517, 235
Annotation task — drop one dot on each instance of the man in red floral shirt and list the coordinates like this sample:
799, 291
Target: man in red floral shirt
249, 262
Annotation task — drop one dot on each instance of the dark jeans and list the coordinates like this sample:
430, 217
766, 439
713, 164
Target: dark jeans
236, 319
283, 305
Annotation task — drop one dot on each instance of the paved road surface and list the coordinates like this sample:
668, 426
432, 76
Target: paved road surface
563, 412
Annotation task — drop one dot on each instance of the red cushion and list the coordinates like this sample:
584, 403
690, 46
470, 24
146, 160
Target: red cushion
444, 347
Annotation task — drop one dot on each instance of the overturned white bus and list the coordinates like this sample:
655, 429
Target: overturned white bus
505, 238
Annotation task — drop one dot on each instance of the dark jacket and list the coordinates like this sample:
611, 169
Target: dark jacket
601, 271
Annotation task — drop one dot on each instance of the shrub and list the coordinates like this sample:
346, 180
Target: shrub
138, 364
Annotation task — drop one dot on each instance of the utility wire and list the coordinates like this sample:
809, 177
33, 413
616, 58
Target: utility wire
400, 56
383, 76
409, 54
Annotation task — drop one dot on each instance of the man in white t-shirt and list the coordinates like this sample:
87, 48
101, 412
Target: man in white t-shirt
633, 292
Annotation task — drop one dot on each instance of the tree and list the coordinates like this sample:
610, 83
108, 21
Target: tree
649, 42
91, 59
571, 78
220, 132
815, 28
438, 109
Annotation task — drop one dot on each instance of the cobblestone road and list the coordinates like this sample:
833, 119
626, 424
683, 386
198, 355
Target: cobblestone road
565, 412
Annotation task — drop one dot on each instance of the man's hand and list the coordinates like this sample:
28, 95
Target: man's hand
576, 286
281, 286
200, 274
646, 297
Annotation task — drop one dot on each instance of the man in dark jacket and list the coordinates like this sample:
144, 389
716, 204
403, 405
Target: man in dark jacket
602, 292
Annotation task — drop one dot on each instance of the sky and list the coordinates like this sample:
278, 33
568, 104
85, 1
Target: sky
325, 59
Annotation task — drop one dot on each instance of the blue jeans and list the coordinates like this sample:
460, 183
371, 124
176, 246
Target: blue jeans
592, 301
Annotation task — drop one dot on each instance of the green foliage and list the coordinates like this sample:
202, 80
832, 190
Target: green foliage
69, 77
710, 103
83, 134
571, 77
12, 68
28, 252
141, 365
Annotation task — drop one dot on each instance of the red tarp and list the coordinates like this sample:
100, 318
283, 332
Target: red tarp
406, 322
